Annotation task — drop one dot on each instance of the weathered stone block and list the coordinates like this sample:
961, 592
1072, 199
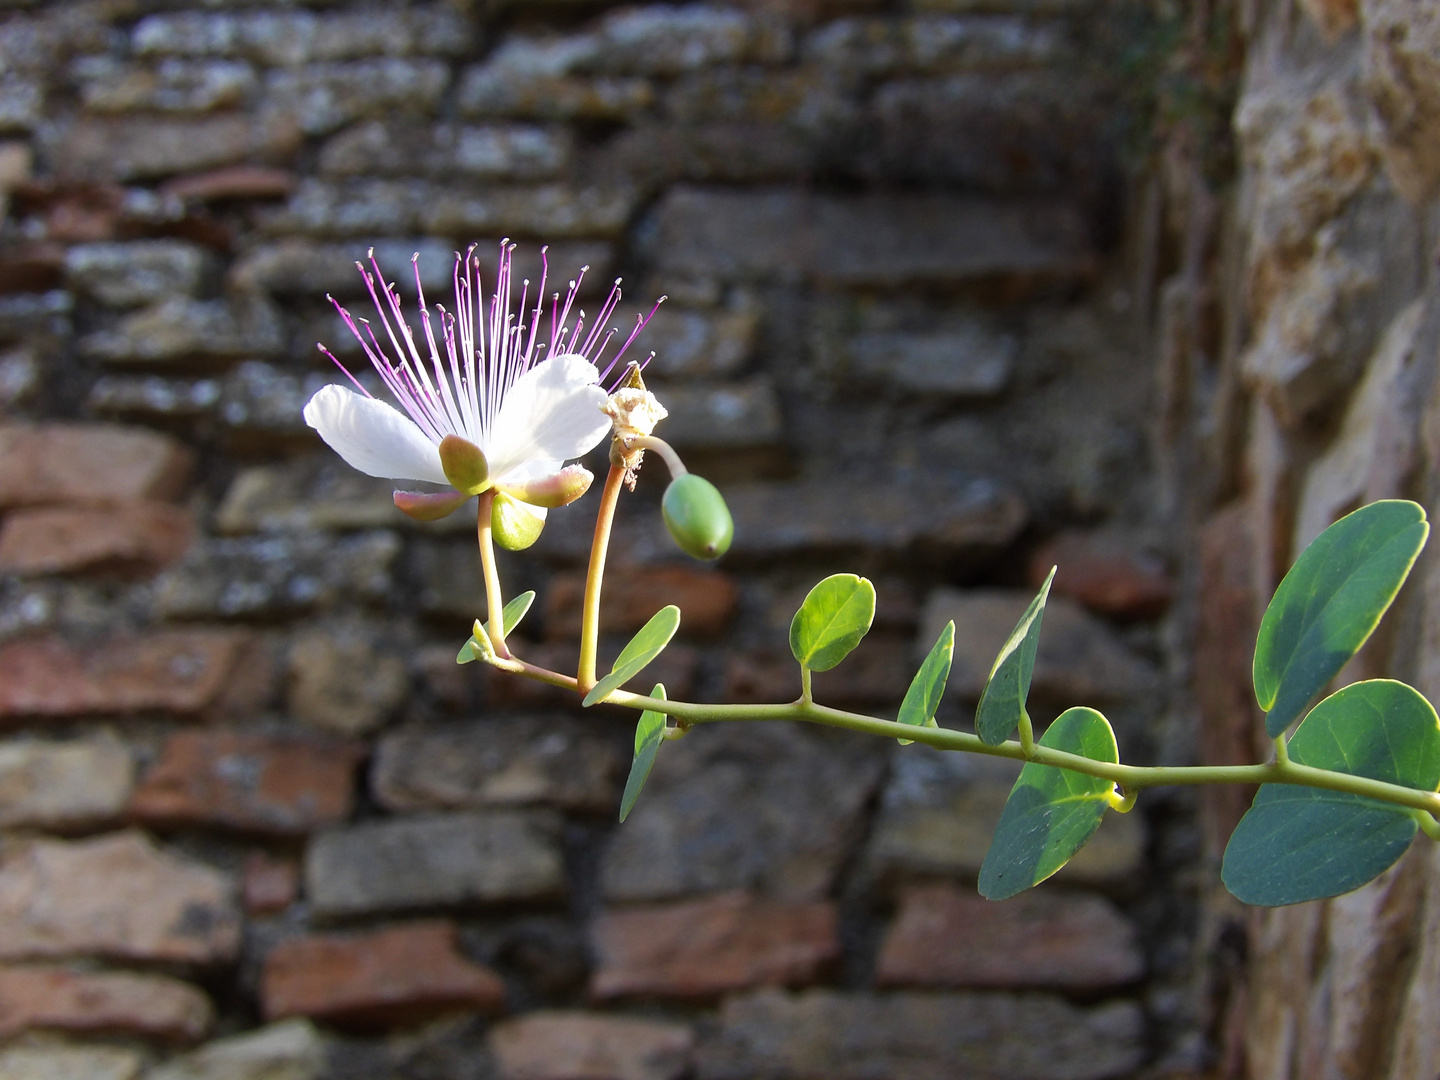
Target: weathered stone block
1013, 134
691, 832
342, 682
938, 815
869, 240
134, 538
707, 599
34, 997
262, 404
182, 329
491, 151
268, 885
88, 463
550, 210
293, 37
396, 975
320, 98
145, 147
692, 343
1107, 574
728, 418
289, 1050
968, 519
662, 40
137, 272
434, 860
63, 785
922, 1037
974, 362
275, 577
117, 896
947, 936
933, 43
400, 207
315, 492
529, 80
876, 673
1079, 659
700, 949
70, 1063
152, 397
554, 761
257, 783
557, 1045
175, 671
174, 85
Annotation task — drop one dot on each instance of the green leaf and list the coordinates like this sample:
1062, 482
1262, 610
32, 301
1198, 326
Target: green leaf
1302, 843
479, 644
834, 617
478, 647
643, 647
1329, 603
1003, 701
928, 686
649, 734
515, 611
1051, 812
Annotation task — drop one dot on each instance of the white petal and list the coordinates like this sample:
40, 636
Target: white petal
552, 412
373, 437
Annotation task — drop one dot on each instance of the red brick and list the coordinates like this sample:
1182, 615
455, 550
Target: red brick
134, 537
32, 268
232, 182
946, 936
269, 884
399, 975
88, 463
117, 896
1106, 575
701, 949
583, 1046
49, 998
706, 598
286, 786
174, 671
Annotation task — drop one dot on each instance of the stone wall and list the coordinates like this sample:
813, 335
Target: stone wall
1306, 338
257, 821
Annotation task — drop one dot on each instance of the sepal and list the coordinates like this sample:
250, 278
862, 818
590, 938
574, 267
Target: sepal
429, 505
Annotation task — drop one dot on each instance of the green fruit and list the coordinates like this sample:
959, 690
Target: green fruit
697, 517
515, 525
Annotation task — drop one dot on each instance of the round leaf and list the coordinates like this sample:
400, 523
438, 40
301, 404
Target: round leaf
1302, 843
1330, 602
1051, 812
834, 617
649, 734
1003, 701
644, 647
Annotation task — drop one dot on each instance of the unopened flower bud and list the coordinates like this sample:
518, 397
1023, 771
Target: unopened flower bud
697, 517
515, 526
464, 464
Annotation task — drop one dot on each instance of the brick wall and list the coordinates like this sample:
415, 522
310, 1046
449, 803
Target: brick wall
256, 820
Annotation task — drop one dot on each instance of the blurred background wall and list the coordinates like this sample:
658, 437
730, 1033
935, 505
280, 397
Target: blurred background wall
957, 290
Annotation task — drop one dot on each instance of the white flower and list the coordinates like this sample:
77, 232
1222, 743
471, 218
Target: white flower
482, 409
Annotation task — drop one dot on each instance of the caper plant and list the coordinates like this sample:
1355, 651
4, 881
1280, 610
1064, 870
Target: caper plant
491, 411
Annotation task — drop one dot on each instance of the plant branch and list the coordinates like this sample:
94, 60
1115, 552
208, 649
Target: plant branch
494, 601
594, 576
